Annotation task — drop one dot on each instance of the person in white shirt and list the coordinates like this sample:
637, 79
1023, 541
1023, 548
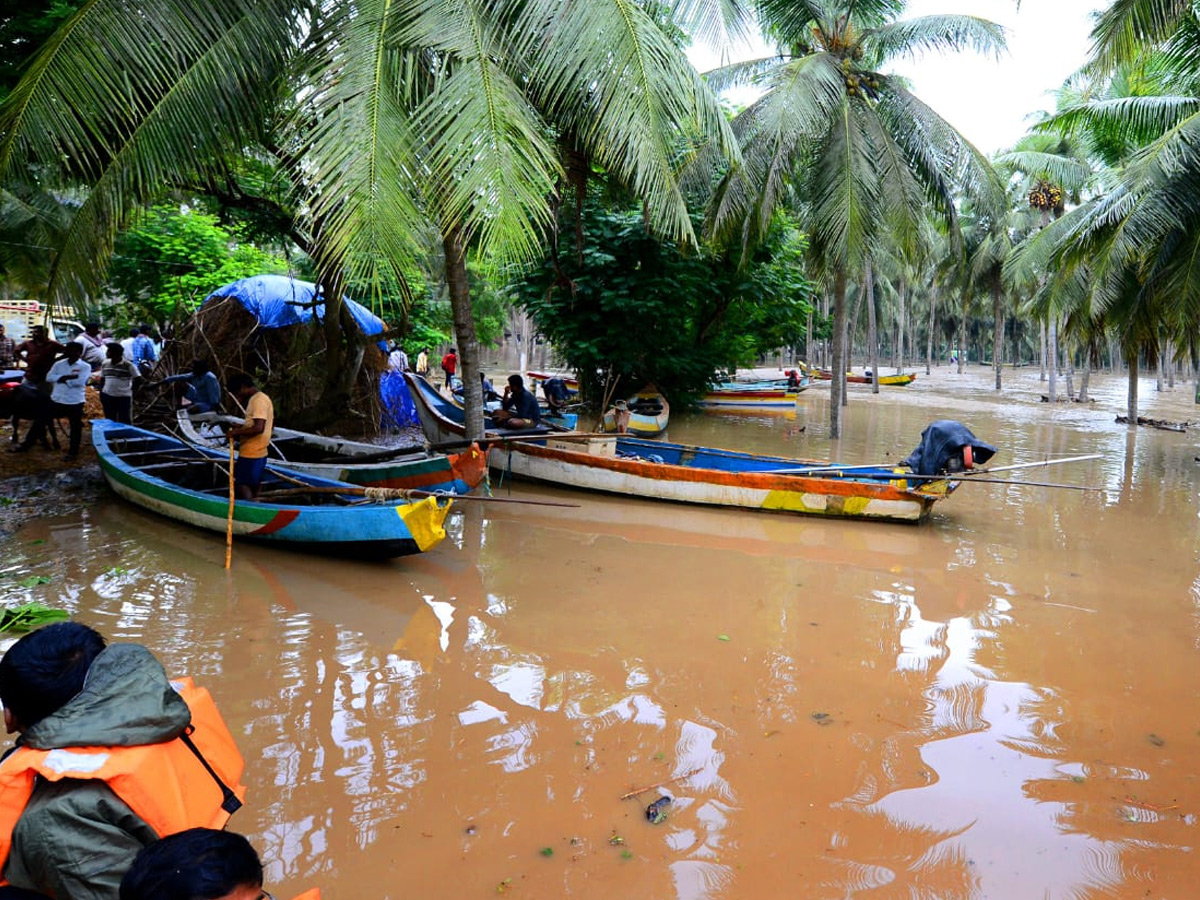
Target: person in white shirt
116, 386
398, 359
93, 346
68, 382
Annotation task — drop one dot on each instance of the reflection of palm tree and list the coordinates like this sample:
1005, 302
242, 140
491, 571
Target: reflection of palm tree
861, 152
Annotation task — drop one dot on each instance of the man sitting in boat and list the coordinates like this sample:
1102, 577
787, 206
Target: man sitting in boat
254, 435
518, 407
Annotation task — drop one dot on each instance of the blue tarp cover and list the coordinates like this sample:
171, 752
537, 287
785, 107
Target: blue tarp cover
278, 301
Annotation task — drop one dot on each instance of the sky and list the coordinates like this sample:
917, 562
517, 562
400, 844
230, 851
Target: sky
988, 100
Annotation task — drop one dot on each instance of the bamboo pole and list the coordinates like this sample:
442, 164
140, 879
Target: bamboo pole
229, 521
1044, 462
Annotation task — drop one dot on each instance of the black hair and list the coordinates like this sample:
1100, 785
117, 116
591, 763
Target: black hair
134, 331
42, 671
109, 351
197, 864
239, 380
200, 366
146, 330
516, 381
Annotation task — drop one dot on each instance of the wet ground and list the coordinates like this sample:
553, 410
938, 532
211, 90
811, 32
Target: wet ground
999, 703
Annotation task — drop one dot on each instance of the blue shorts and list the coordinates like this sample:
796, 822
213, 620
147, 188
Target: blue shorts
249, 471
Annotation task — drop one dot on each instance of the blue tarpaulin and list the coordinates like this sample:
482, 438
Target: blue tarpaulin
278, 301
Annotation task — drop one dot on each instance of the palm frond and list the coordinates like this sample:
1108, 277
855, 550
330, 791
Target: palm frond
605, 72
910, 38
1124, 30
714, 22
1136, 120
1069, 173
846, 192
139, 119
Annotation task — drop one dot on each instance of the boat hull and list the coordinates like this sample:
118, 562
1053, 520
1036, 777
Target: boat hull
703, 482
640, 424
369, 531
455, 473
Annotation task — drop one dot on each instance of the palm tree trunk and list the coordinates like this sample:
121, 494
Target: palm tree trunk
1042, 376
808, 347
1052, 357
901, 316
1070, 374
872, 335
1085, 377
837, 385
962, 339
997, 333
933, 292
464, 330
1132, 393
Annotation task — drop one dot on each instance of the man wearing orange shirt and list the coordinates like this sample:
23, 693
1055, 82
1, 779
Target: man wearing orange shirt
254, 435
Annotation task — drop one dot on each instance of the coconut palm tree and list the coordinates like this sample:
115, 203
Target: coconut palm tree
388, 115
857, 148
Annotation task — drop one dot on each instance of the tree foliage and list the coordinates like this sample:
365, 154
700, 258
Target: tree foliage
639, 308
174, 258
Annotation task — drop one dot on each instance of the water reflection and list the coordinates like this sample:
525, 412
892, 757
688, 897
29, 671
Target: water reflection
994, 705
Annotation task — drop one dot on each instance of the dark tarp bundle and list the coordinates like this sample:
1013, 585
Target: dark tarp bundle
941, 442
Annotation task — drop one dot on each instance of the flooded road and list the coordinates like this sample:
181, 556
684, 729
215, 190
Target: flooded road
999, 703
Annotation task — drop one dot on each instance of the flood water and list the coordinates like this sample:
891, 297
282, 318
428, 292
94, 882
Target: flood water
998, 703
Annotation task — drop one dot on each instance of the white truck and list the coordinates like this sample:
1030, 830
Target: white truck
19, 316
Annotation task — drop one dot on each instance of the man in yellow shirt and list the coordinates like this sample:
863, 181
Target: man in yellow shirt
254, 435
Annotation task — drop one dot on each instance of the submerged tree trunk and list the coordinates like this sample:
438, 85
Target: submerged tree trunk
837, 385
1132, 393
997, 333
1052, 357
1085, 377
1070, 375
872, 336
962, 338
933, 293
1042, 376
464, 330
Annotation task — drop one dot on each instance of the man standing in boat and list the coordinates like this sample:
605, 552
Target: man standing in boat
254, 435
519, 408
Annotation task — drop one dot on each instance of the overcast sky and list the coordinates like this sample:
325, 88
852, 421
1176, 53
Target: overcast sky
989, 100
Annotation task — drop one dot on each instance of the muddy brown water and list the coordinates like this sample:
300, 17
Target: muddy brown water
999, 703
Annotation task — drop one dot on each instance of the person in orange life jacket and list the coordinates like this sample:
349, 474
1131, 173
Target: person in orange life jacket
198, 864
110, 757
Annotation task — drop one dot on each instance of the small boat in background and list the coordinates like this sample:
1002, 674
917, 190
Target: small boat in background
900, 380
190, 484
353, 462
645, 414
774, 393
572, 383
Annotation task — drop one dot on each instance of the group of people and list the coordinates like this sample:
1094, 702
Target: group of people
398, 360
119, 780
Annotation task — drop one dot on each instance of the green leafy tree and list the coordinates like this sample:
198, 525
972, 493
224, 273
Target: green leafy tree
631, 308
173, 259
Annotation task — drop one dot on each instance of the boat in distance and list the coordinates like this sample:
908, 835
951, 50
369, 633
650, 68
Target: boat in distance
901, 380
353, 462
191, 485
645, 414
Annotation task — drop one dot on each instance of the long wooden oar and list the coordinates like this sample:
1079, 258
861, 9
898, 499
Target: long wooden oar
229, 522
1035, 465
512, 439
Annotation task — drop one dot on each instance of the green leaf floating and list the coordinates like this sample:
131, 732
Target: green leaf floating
29, 616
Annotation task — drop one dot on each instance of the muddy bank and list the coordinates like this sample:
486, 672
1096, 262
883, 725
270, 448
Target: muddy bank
25, 497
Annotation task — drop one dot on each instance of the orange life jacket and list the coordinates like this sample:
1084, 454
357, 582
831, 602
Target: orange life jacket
192, 781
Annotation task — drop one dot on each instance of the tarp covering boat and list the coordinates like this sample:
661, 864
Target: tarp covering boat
942, 442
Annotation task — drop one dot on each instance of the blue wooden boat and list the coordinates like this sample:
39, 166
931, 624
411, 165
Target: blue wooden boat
191, 484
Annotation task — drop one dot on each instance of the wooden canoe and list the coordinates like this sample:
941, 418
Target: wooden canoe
709, 476
648, 414
902, 380
353, 462
191, 485
774, 394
